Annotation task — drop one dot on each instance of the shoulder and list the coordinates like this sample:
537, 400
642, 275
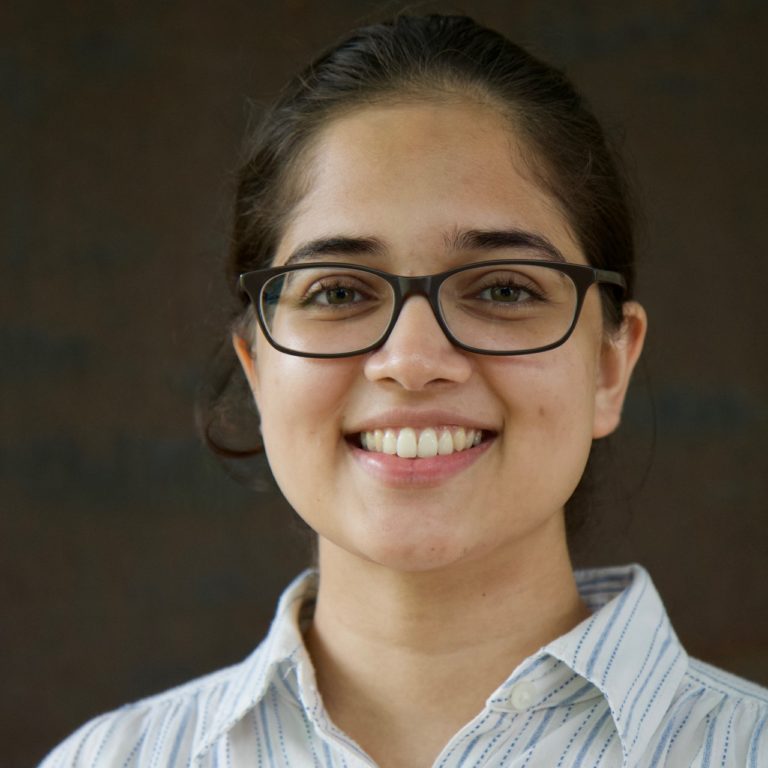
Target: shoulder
160, 730
716, 718
721, 684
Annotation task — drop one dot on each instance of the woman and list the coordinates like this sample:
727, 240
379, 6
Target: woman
435, 253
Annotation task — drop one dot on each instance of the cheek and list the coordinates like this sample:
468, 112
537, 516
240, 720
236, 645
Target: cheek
301, 403
549, 407
566, 401
552, 387
301, 400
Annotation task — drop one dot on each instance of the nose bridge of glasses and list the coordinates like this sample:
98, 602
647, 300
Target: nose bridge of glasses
421, 285
425, 286
414, 286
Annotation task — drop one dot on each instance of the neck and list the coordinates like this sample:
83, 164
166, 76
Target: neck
387, 645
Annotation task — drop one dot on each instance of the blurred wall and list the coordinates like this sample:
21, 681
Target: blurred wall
130, 561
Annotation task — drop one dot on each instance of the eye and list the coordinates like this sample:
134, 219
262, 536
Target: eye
509, 289
332, 294
501, 293
505, 293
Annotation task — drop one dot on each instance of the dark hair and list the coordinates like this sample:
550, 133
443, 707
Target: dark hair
420, 58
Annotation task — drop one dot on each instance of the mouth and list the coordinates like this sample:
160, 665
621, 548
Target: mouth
415, 443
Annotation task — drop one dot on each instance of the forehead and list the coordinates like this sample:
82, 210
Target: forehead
412, 174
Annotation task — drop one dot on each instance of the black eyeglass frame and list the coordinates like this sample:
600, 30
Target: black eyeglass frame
583, 277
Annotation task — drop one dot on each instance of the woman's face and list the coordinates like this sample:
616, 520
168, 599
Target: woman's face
412, 177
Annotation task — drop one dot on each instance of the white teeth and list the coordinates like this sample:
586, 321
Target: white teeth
389, 442
427, 447
406, 444
409, 443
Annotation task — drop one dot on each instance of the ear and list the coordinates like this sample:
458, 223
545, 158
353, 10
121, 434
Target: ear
245, 354
619, 353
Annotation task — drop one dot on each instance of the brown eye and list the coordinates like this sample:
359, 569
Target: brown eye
337, 296
505, 293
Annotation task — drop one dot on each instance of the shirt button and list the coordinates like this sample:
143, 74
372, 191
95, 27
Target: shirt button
521, 696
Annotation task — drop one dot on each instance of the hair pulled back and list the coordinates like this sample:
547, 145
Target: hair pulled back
419, 58
427, 58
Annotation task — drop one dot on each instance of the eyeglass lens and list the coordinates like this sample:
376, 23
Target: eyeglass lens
335, 310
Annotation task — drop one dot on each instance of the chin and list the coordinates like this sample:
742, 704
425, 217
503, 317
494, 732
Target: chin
414, 562
408, 555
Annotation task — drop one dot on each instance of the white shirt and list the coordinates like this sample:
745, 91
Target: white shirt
617, 690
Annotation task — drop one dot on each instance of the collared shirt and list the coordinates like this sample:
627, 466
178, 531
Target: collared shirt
617, 690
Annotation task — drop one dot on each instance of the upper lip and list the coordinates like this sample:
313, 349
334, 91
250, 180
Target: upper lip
419, 419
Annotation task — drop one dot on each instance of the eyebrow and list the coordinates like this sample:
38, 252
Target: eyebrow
336, 246
461, 240
497, 239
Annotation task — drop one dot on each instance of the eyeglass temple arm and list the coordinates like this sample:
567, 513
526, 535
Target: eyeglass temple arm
614, 278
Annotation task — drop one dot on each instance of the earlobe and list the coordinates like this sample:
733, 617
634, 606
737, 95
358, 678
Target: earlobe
618, 357
247, 359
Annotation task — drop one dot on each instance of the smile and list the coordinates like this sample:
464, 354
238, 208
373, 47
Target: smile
410, 443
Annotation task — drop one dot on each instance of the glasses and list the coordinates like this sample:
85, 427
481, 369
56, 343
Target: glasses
505, 307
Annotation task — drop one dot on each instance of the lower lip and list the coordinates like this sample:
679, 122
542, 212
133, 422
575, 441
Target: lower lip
408, 473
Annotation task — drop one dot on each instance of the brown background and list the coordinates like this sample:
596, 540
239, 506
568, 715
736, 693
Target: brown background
130, 562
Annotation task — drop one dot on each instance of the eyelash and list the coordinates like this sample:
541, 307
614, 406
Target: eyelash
317, 289
530, 289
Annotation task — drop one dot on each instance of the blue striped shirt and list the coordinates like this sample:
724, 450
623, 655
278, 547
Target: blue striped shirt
617, 690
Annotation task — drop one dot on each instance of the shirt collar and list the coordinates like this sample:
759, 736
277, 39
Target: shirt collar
281, 651
628, 650
625, 651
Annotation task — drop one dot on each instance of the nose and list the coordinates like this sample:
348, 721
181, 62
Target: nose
417, 352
